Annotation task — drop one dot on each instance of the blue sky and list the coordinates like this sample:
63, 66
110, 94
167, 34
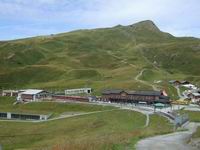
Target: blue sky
26, 18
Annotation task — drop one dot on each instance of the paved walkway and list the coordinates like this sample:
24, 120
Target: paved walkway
60, 117
147, 120
81, 114
146, 111
173, 141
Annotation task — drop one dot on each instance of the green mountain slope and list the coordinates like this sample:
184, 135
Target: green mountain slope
100, 58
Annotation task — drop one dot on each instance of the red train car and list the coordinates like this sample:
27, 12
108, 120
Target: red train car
70, 98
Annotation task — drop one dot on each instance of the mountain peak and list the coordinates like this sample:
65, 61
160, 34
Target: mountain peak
147, 25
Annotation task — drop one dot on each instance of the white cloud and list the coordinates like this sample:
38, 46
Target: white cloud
179, 17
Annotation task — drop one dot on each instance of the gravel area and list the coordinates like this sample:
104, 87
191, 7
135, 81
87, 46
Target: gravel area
173, 141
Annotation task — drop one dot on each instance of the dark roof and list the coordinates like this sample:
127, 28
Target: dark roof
162, 101
162, 97
182, 82
113, 91
173, 81
149, 93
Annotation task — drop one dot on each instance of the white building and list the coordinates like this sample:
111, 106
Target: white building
78, 91
190, 86
195, 97
32, 95
9, 93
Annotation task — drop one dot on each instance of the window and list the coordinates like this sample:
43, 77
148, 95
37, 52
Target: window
3, 115
25, 117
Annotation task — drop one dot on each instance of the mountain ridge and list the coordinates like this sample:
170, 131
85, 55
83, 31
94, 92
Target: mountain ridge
100, 58
147, 24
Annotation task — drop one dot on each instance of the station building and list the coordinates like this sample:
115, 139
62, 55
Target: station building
145, 97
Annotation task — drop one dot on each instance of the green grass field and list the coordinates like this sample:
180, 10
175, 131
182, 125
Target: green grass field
116, 129
194, 116
6, 105
109, 130
197, 133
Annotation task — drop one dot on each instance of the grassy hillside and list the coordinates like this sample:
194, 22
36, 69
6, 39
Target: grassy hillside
99, 58
119, 129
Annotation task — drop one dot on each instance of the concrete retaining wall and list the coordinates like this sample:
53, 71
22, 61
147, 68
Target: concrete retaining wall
22, 116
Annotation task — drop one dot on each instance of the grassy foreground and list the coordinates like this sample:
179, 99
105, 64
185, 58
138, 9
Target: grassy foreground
6, 105
197, 133
194, 116
117, 129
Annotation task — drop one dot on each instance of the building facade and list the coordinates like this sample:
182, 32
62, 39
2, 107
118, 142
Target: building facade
145, 97
32, 95
78, 91
195, 97
23, 116
11, 93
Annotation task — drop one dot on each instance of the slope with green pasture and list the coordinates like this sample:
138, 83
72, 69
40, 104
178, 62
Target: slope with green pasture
99, 58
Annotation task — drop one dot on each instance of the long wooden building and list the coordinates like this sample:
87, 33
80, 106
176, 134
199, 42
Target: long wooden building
147, 97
